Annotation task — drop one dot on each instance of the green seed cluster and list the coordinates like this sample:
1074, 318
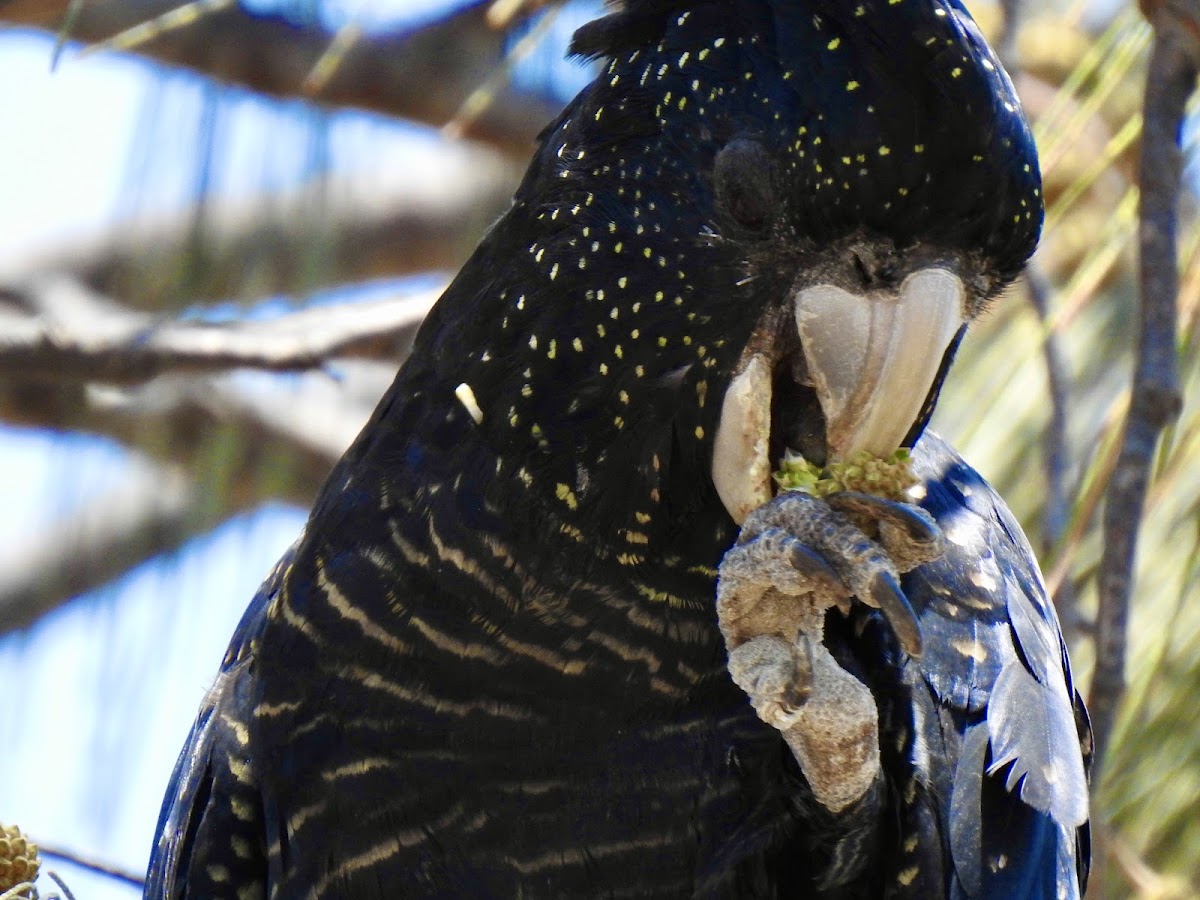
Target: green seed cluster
19, 860
889, 477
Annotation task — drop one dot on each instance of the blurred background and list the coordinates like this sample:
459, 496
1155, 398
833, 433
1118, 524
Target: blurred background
221, 223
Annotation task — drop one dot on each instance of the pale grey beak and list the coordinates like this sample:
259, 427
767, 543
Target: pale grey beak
872, 359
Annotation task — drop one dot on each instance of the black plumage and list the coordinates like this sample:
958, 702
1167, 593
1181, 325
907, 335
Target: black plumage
491, 666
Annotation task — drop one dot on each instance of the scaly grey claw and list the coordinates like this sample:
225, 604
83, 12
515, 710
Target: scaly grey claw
885, 595
796, 558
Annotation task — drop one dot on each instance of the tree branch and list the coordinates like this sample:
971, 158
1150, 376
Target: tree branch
245, 440
272, 438
69, 333
152, 512
364, 224
1155, 400
423, 74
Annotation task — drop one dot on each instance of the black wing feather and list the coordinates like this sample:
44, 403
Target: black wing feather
1015, 808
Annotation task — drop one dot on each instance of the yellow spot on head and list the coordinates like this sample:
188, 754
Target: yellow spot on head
852, 85
699, 433
834, 44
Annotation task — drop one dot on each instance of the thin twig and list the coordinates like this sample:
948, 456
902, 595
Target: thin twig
62, 885
327, 64
1146, 881
483, 96
1056, 514
116, 873
172, 19
1155, 399
1006, 42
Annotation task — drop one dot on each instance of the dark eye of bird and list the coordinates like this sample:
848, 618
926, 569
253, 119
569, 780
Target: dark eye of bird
744, 184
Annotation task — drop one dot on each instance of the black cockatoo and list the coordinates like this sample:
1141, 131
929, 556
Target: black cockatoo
547, 632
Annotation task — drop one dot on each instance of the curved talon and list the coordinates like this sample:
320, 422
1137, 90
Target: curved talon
776, 674
916, 524
908, 533
800, 687
885, 595
813, 566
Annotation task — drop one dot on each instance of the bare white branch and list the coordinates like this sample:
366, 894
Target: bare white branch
54, 329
